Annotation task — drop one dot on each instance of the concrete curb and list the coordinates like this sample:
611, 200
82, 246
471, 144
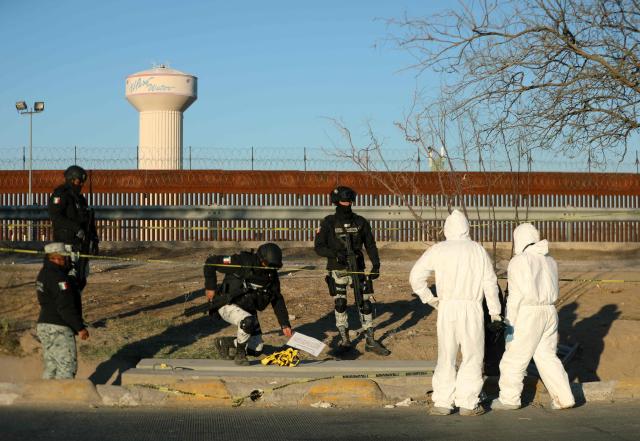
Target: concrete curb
220, 392
345, 393
50, 391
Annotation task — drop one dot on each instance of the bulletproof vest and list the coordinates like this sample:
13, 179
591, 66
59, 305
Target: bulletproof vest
252, 288
349, 229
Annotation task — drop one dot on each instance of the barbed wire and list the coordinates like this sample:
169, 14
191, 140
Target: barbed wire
291, 158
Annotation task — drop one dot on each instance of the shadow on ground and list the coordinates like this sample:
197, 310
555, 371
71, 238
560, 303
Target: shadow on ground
589, 333
174, 338
164, 304
403, 315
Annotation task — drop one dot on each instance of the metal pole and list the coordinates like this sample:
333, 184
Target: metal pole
24, 157
251, 158
75, 155
190, 158
30, 197
637, 162
418, 148
305, 159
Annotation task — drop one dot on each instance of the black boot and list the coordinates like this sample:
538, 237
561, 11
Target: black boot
371, 345
223, 346
241, 355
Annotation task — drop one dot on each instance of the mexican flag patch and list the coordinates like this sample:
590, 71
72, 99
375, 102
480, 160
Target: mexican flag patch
63, 285
56, 200
226, 260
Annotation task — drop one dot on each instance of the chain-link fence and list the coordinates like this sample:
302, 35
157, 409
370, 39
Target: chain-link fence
302, 158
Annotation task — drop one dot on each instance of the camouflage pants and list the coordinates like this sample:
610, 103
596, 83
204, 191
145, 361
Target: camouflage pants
59, 351
342, 281
233, 315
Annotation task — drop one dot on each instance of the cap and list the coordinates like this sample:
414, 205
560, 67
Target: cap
55, 248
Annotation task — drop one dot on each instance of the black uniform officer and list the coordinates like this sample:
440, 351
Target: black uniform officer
250, 284
330, 240
74, 223
60, 314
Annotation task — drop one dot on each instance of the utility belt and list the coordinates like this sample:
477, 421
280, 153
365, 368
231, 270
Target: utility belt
366, 284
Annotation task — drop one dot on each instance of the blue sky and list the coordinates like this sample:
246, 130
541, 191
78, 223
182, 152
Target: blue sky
268, 72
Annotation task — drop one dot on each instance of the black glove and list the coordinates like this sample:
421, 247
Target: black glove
375, 273
496, 327
81, 234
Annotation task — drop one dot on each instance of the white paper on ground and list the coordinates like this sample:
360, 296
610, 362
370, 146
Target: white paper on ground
305, 343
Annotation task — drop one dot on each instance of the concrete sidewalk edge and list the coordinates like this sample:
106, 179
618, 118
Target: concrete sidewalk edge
222, 393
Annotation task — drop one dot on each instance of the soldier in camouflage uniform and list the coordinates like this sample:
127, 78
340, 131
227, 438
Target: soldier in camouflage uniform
74, 223
60, 314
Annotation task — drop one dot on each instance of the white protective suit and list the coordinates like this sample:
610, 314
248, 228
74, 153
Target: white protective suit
463, 272
532, 320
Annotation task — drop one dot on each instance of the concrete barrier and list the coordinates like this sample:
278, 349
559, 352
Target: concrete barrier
66, 391
345, 393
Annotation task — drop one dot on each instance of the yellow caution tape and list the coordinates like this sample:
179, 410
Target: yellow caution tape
289, 357
284, 269
168, 262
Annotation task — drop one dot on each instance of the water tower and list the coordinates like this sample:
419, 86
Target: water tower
161, 95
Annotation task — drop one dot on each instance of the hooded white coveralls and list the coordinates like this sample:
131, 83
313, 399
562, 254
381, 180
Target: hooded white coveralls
532, 320
463, 272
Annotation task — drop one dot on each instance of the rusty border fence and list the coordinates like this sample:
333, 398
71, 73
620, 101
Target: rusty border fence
295, 189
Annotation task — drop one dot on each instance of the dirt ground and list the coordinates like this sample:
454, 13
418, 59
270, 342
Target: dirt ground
134, 309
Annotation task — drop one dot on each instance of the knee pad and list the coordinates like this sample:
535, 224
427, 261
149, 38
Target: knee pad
250, 325
341, 304
366, 307
341, 289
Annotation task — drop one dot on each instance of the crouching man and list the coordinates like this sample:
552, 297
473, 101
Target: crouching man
532, 323
250, 284
60, 314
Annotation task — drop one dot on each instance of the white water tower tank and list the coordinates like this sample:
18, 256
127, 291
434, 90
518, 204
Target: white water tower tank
161, 95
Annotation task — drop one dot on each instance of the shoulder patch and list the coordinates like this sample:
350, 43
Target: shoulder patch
226, 260
63, 286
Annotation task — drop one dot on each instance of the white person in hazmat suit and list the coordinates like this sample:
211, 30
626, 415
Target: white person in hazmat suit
532, 323
463, 274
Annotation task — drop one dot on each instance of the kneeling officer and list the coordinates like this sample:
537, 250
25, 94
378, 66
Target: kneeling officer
250, 284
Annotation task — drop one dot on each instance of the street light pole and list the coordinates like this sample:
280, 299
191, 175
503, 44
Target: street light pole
30, 198
23, 109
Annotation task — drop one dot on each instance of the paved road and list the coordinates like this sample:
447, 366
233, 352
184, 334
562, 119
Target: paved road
590, 422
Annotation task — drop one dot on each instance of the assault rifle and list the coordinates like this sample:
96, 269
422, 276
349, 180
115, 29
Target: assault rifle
361, 284
92, 234
219, 300
91, 245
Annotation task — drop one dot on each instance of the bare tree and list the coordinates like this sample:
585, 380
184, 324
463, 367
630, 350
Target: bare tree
565, 71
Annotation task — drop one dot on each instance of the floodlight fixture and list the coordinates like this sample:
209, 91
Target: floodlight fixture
23, 109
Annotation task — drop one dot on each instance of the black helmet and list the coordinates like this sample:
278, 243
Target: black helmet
75, 172
271, 254
342, 194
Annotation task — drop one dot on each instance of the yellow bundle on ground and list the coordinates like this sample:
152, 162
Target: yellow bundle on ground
288, 357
